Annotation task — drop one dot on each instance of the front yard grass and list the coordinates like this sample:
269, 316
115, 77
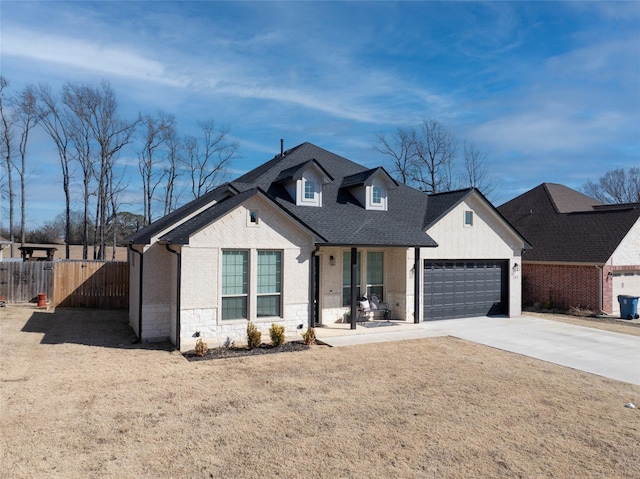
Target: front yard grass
79, 400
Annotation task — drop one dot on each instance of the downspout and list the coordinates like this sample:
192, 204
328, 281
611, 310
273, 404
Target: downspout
139, 292
416, 286
179, 287
312, 288
600, 289
354, 293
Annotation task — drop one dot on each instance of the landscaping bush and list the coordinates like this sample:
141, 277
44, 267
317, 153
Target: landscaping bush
201, 347
277, 334
309, 337
254, 337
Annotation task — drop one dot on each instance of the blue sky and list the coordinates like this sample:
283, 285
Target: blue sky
549, 90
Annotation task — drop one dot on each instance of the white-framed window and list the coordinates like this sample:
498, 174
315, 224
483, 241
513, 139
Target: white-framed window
235, 284
269, 283
468, 218
375, 274
376, 195
309, 189
346, 277
253, 218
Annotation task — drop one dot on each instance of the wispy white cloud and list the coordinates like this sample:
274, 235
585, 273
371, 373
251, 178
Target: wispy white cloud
84, 54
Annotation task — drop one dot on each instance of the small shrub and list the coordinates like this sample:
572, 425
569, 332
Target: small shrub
228, 343
254, 337
579, 311
309, 337
201, 347
277, 334
550, 303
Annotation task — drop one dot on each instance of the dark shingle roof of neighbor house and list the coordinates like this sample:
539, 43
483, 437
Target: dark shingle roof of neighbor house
565, 225
340, 221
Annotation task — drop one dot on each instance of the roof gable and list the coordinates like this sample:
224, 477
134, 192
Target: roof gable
441, 204
566, 200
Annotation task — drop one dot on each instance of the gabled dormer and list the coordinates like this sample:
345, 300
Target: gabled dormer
304, 182
371, 188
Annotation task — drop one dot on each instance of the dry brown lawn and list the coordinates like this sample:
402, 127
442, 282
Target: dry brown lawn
79, 400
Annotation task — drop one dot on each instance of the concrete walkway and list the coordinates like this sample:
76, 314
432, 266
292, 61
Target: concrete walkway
605, 353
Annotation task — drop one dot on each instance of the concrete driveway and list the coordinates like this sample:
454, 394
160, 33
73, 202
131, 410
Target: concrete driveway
605, 353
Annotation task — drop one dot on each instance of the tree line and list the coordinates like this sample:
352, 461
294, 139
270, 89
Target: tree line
88, 133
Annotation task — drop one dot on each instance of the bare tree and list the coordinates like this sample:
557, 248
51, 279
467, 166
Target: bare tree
116, 187
171, 173
55, 121
26, 119
476, 170
208, 157
7, 152
401, 147
422, 157
80, 103
435, 152
96, 108
616, 186
157, 130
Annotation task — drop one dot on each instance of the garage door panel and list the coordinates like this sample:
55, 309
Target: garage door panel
464, 289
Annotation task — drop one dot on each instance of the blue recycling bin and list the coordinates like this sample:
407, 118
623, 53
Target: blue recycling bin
628, 306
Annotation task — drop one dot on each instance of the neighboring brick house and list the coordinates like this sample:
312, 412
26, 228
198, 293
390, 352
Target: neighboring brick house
298, 240
584, 253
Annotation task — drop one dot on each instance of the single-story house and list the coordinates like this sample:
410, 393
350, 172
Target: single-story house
301, 238
584, 253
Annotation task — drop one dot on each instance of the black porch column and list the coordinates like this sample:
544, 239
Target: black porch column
354, 293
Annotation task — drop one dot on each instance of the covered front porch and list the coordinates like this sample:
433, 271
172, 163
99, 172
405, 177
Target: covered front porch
343, 276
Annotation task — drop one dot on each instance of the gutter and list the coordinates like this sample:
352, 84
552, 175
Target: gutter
416, 284
312, 288
178, 291
600, 292
139, 293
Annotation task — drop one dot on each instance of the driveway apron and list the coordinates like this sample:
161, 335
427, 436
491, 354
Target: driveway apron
605, 353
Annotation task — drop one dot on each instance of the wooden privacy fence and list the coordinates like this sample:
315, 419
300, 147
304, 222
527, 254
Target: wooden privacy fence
20, 282
77, 284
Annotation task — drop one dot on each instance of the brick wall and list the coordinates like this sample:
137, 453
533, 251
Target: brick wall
563, 286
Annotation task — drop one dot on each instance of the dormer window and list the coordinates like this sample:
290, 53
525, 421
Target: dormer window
309, 189
376, 192
370, 188
304, 182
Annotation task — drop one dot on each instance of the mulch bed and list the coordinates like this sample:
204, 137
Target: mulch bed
237, 352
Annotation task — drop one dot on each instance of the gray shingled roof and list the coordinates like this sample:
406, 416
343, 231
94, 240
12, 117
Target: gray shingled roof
588, 236
340, 221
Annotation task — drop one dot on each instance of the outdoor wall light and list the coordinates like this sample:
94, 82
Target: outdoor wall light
332, 260
516, 267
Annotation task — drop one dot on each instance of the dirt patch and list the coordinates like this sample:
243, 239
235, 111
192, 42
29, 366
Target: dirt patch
79, 399
598, 322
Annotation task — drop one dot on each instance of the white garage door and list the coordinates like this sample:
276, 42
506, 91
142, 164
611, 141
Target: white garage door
627, 283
